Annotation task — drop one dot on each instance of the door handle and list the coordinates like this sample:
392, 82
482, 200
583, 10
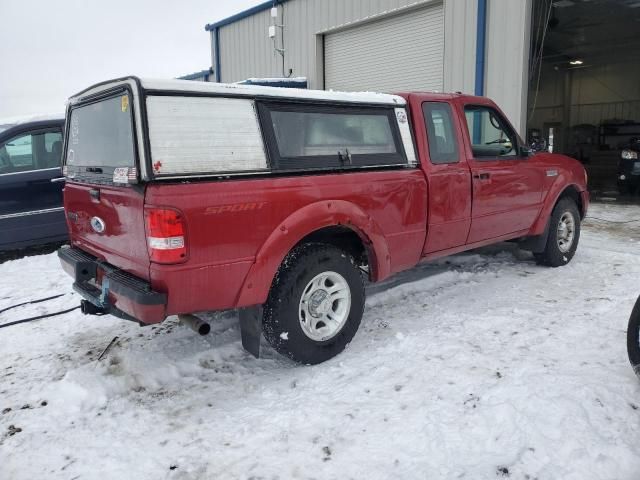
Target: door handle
481, 176
57, 180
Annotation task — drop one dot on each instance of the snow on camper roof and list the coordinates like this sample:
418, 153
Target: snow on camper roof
256, 90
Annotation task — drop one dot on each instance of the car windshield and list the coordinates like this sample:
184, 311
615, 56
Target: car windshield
100, 134
6, 126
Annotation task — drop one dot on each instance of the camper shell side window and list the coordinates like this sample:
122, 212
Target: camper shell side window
303, 136
191, 135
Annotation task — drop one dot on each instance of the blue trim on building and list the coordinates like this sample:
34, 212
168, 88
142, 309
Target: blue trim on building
196, 75
216, 34
244, 14
481, 46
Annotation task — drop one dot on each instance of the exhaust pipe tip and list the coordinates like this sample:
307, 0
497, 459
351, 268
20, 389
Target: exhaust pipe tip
196, 324
204, 329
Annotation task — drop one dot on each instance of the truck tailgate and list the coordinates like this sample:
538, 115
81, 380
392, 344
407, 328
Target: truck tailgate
119, 213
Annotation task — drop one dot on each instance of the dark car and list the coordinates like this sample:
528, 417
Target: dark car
629, 168
31, 183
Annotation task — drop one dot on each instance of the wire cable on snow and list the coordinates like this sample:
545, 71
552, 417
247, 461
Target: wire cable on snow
46, 315
32, 301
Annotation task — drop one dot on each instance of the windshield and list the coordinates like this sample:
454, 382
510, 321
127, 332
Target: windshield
6, 126
100, 134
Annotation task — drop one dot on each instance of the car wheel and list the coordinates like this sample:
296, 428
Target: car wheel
564, 235
633, 338
315, 304
630, 189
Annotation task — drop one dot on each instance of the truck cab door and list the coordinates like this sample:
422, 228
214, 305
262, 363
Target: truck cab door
507, 187
449, 178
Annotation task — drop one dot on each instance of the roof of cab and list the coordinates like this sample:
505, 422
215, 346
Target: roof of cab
37, 117
10, 126
233, 89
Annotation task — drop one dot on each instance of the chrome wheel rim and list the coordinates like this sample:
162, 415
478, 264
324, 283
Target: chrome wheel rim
324, 306
566, 232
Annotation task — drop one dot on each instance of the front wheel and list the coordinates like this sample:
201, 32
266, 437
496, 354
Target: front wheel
633, 338
315, 304
564, 234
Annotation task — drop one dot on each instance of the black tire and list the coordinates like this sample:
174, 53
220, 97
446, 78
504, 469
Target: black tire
633, 338
553, 255
281, 323
629, 189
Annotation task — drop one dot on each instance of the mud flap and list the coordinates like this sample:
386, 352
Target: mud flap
536, 244
251, 329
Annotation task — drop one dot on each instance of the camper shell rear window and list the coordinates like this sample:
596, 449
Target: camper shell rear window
100, 138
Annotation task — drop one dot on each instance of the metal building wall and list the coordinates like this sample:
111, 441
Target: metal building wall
402, 52
247, 51
460, 18
507, 58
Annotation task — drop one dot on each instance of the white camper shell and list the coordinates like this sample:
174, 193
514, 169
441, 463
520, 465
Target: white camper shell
144, 130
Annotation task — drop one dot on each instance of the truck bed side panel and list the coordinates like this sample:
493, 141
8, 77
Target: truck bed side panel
228, 223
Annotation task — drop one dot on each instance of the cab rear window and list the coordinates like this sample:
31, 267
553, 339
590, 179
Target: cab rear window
101, 136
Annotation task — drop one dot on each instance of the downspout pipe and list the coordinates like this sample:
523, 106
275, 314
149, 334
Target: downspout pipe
481, 47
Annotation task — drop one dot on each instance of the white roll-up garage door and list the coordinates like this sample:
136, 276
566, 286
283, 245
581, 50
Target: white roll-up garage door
399, 53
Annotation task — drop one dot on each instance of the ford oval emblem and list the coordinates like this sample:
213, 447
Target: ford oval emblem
98, 224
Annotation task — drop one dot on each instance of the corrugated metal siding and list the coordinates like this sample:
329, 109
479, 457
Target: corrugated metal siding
508, 39
460, 18
247, 51
401, 52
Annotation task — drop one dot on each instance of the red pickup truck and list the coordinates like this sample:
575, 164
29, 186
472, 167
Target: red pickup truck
186, 197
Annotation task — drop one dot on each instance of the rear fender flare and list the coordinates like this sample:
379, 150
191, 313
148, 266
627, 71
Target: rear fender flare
298, 225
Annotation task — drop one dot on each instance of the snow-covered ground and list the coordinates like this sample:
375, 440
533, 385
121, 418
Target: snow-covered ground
480, 366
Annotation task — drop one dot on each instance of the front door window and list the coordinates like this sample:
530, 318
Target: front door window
491, 136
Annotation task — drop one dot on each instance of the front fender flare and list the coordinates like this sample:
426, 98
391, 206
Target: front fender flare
298, 225
559, 187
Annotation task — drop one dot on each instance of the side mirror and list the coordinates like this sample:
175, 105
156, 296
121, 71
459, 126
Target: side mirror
527, 151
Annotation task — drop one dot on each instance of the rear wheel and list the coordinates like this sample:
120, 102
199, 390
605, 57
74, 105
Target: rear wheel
564, 234
633, 338
315, 304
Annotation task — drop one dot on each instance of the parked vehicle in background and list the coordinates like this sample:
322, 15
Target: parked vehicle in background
633, 338
187, 197
629, 168
31, 182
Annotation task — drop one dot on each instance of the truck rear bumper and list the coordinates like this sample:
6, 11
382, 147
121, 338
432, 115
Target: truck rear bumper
111, 290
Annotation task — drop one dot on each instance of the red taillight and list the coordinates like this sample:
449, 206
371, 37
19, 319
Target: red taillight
166, 234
